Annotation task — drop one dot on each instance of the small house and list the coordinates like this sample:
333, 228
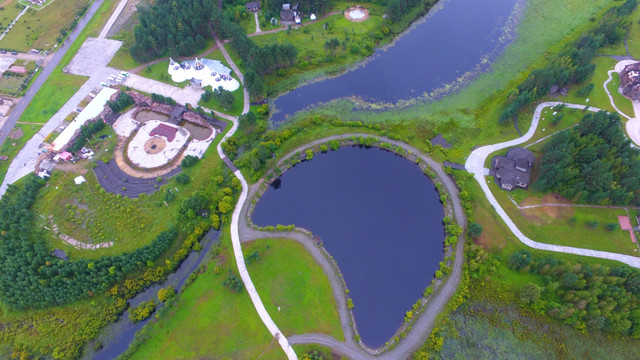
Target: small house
286, 16
514, 169
59, 254
18, 70
253, 6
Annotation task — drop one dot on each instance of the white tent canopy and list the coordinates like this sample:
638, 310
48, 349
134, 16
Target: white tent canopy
207, 72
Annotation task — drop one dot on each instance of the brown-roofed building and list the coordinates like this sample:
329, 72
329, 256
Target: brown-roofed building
164, 130
514, 169
630, 81
286, 16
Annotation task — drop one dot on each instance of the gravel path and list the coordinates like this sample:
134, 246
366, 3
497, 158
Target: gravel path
475, 165
423, 326
235, 237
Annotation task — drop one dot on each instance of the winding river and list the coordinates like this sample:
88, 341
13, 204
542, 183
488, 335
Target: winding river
458, 37
380, 218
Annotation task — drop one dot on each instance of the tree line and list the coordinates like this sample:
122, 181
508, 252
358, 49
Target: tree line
592, 163
588, 297
30, 277
86, 131
573, 64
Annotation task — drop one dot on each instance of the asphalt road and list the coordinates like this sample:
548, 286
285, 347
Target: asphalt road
46, 71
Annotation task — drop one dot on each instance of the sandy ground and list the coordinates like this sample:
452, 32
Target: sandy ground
122, 164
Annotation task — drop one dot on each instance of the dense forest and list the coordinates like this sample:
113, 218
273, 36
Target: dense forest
30, 277
592, 163
588, 297
573, 64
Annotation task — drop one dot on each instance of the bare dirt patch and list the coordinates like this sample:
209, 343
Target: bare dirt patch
16, 134
356, 14
154, 145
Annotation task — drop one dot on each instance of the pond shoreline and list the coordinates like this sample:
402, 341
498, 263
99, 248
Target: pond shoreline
322, 256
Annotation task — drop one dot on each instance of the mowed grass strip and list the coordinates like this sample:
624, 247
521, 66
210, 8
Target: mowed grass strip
208, 320
39, 28
11, 146
571, 226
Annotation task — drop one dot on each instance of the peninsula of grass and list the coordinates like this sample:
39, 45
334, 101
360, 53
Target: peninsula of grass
39, 29
621, 102
160, 73
208, 319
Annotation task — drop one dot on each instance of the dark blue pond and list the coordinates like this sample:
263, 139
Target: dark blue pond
379, 216
451, 42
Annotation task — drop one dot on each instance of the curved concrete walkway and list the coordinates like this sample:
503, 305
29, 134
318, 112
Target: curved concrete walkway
475, 165
235, 237
633, 124
423, 325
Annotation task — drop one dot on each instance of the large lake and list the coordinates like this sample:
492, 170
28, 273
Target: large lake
379, 216
457, 38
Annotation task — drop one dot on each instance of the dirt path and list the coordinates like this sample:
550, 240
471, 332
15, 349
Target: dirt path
423, 326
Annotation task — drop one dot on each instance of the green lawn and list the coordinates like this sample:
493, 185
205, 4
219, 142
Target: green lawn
39, 28
123, 60
287, 277
208, 320
11, 147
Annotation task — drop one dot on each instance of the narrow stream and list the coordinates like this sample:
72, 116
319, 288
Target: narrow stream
117, 337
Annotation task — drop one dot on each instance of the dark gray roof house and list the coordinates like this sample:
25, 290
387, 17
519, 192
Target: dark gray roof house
514, 169
176, 114
253, 6
630, 81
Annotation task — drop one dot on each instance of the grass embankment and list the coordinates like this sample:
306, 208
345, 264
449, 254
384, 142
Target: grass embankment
210, 320
39, 28
160, 73
633, 38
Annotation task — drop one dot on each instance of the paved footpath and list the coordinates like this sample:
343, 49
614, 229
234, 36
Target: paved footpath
475, 165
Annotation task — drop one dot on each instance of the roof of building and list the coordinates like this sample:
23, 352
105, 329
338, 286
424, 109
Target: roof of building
164, 130
59, 254
518, 153
198, 65
253, 4
65, 155
18, 69
177, 111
